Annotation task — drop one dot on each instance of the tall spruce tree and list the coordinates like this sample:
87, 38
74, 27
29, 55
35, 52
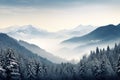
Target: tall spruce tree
12, 66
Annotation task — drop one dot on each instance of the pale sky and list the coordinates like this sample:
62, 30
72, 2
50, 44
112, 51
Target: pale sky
54, 15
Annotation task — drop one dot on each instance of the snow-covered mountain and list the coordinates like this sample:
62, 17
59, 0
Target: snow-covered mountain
30, 31
77, 31
26, 31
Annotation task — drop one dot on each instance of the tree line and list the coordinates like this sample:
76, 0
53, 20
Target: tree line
102, 64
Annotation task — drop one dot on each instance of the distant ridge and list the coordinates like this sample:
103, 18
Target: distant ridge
103, 33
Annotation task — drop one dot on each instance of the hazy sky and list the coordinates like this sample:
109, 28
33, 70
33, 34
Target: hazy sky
54, 15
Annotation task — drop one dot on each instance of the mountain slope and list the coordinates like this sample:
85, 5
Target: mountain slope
8, 42
104, 33
35, 49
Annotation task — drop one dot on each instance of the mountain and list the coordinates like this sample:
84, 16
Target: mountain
77, 31
26, 31
8, 42
101, 34
35, 49
30, 31
47, 40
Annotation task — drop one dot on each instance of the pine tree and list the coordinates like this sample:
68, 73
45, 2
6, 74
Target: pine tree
108, 48
38, 70
82, 68
118, 67
103, 70
97, 50
2, 72
96, 69
30, 71
45, 71
12, 66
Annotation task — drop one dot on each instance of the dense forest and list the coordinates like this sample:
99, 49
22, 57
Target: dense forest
102, 64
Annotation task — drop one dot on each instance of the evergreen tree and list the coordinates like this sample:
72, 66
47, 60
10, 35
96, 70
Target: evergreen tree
96, 69
108, 48
30, 71
2, 73
82, 68
103, 70
97, 50
118, 67
38, 70
12, 66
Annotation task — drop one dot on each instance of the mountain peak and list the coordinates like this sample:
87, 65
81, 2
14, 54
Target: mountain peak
118, 24
28, 27
3, 35
111, 25
107, 26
